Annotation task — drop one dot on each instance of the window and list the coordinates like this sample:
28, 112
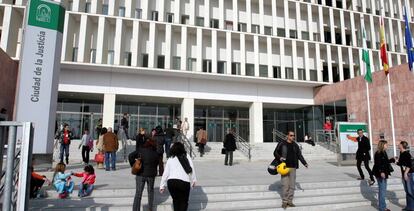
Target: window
185, 19
263, 70
313, 75
338, 38
121, 11
127, 58
293, 34
242, 27
339, 4
105, 9
276, 72
144, 60
154, 15
255, 29
316, 37
346, 74
138, 13
214, 23
335, 74
192, 64
328, 3
268, 30
289, 73
199, 21
301, 74
88, 7
110, 57
325, 74
93, 56
249, 69
305, 35
160, 61
170, 17
75, 54
207, 66
221, 67
176, 62
281, 32
348, 39
327, 35
229, 25
235, 68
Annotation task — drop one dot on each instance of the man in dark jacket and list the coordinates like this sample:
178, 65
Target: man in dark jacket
125, 124
64, 137
160, 140
229, 145
169, 135
290, 153
362, 155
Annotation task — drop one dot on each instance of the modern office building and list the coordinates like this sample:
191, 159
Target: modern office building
245, 64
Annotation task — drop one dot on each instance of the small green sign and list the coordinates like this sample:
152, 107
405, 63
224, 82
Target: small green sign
352, 128
46, 14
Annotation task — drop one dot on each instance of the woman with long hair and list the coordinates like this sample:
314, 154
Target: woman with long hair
382, 169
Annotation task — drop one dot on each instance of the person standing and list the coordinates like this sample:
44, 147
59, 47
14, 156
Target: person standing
140, 139
125, 124
179, 176
98, 128
201, 136
404, 161
363, 155
149, 162
382, 169
290, 153
87, 145
99, 146
169, 136
229, 145
64, 137
160, 140
185, 127
110, 146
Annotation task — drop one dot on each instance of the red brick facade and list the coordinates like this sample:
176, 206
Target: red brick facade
354, 91
8, 79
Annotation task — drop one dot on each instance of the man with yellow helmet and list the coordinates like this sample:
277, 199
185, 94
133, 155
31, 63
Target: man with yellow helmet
289, 153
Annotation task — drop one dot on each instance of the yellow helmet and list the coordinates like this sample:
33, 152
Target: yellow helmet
282, 169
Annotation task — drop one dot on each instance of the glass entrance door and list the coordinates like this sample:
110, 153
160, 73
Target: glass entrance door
78, 122
215, 130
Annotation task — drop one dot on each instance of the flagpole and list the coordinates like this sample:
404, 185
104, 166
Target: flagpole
369, 120
392, 116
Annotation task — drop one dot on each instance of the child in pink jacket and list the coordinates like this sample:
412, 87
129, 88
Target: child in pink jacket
88, 179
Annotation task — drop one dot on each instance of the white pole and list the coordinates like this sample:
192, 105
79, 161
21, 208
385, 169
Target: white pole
392, 116
369, 121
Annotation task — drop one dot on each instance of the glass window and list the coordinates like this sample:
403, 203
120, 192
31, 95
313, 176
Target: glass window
121, 11
313, 75
255, 29
242, 27
316, 37
305, 35
263, 70
301, 74
170, 17
281, 32
127, 58
192, 64
105, 9
160, 61
346, 74
235, 68
92, 56
207, 66
289, 73
249, 69
147, 109
268, 30
144, 60
229, 25
214, 23
110, 58
185, 19
276, 72
138, 13
200, 21
221, 67
75, 54
88, 7
154, 15
293, 34
176, 62
325, 74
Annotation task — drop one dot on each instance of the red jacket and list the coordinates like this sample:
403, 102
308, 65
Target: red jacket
87, 178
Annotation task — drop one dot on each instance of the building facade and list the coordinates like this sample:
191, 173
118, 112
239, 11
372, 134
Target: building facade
245, 64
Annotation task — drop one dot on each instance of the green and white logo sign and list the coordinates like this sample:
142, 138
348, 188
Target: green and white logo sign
39, 70
347, 135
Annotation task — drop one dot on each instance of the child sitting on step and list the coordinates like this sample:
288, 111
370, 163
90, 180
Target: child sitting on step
62, 182
86, 186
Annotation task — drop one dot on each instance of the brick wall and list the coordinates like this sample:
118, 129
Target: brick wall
354, 91
8, 79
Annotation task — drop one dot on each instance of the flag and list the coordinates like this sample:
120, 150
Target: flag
408, 41
365, 54
383, 48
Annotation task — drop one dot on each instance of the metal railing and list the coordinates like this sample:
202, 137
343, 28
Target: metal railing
15, 180
187, 144
278, 136
243, 146
327, 139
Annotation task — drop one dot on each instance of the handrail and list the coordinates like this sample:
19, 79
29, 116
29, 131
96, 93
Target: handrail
243, 146
187, 144
327, 139
278, 135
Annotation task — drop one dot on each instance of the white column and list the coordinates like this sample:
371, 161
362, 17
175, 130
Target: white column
94, 6
343, 34
269, 58
192, 13
256, 122
332, 26
65, 47
298, 34
351, 63
187, 111
256, 55
391, 36
118, 41
318, 62
152, 40
108, 117
306, 55
321, 30
101, 40
261, 16
400, 35
184, 48
329, 61
214, 51
82, 38
364, 6
353, 29
274, 17
228, 52
76, 5
135, 43
373, 6
129, 9
207, 13
221, 15
199, 59
112, 7
177, 12
168, 46
400, 10
294, 60
242, 54
286, 18
235, 15
373, 32
341, 64
161, 10
145, 9
310, 22
282, 58
249, 15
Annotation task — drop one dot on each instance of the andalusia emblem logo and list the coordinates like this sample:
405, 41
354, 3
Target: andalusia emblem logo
43, 13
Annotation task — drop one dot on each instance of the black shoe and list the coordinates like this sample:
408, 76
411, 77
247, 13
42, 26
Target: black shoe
360, 178
226, 164
67, 161
284, 205
290, 204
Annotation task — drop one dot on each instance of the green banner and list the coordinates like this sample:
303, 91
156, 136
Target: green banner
46, 14
352, 128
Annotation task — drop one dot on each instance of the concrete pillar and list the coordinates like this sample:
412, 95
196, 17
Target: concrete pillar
256, 122
82, 38
214, 51
199, 59
229, 53
242, 54
101, 41
206, 13
235, 15
118, 41
135, 43
256, 55
187, 111
108, 110
168, 32
249, 15
269, 57
184, 48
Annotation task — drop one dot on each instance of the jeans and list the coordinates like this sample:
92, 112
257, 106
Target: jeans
288, 186
366, 164
110, 157
408, 188
180, 193
64, 149
140, 184
227, 160
382, 191
201, 149
85, 154
167, 146
85, 190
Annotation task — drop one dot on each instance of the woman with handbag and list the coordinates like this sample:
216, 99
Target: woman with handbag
201, 136
179, 176
99, 156
148, 157
382, 169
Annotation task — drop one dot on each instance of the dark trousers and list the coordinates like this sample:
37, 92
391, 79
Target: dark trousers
85, 154
366, 164
180, 192
35, 185
229, 158
160, 164
201, 148
64, 149
140, 184
167, 146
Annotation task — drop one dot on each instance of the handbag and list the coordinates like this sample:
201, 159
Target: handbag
223, 151
185, 163
99, 157
272, 167
136, 167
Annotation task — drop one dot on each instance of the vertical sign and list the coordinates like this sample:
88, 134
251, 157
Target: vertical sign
39, 71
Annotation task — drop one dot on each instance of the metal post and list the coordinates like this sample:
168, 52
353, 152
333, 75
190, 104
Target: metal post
2, 138
8, 188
